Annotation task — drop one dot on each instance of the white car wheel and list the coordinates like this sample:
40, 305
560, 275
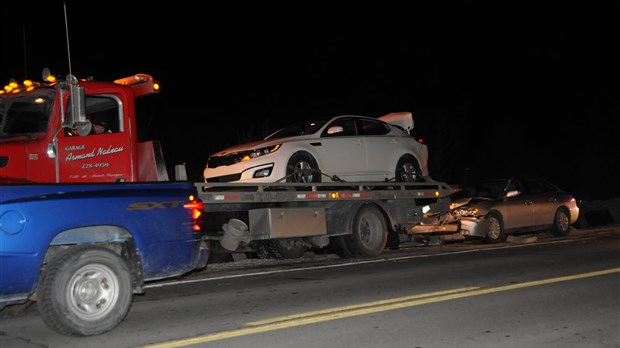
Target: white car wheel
302, 168
407, 170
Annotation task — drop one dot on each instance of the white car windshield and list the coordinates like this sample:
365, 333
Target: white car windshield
300, 128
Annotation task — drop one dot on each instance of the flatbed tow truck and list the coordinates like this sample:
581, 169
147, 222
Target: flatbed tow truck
283, 220
45, 137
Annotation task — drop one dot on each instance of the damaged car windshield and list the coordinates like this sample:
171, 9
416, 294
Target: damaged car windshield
493, 190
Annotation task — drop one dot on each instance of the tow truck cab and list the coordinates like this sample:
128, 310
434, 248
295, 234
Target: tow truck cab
46, 131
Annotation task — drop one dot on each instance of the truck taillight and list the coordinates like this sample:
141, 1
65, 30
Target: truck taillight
197, 207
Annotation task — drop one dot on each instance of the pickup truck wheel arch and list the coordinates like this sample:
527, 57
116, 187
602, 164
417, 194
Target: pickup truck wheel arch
86, 290
126, 248
91, 234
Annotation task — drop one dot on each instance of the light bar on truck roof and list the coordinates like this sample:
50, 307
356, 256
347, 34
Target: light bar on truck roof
27, 85
142, 84
134, 79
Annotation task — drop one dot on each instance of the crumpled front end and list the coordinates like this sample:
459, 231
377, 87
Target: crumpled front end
436, 224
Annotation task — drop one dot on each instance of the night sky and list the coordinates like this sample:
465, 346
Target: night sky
493, 91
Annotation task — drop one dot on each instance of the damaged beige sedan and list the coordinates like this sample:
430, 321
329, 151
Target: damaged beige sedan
495, 209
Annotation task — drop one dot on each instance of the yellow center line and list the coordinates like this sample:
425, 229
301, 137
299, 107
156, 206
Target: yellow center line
365, 308
357, 306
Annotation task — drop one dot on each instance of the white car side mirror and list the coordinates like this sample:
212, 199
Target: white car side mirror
335, 129
513, 193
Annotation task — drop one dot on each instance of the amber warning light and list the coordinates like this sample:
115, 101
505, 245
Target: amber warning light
142, 84
197, 207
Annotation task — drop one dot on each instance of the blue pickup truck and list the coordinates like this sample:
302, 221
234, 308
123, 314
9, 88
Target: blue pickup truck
81, 251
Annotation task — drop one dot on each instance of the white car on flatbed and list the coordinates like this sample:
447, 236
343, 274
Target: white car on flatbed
346, 148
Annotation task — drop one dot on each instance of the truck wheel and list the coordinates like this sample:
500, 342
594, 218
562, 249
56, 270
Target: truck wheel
281, 249
561, 223
290, 248
338, 245
495, 233
369, 235
85, 291
393, 240
264, 250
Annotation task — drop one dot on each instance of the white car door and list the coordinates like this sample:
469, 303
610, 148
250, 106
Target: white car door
340, 151
382, 150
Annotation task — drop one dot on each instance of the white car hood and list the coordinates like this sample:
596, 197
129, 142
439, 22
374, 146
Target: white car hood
259, 144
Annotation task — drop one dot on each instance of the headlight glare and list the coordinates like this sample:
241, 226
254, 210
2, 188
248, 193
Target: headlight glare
260, 152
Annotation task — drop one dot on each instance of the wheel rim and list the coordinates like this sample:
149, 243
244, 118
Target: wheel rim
495, 229
562, 221
408, 172
368, 228
302, 172
93, 292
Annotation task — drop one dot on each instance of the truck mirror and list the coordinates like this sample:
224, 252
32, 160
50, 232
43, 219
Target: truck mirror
51, 150
76, 113
84, 128
78, 104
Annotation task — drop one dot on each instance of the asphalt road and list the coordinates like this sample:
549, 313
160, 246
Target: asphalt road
538, 292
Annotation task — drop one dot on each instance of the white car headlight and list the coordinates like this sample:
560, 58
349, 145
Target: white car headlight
260, 152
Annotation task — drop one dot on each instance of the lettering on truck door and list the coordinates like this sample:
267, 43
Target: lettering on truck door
104, 155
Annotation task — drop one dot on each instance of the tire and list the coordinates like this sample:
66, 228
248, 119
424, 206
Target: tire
561, 223
290, 248
265, 250
369, 233
302, 168
393, 240
338, 245
281, 249
408, 170
495, 234
85, 291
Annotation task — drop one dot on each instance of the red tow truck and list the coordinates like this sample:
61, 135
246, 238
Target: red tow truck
45, 131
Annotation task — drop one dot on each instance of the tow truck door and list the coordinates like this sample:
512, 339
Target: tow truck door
95, 158
105, 157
